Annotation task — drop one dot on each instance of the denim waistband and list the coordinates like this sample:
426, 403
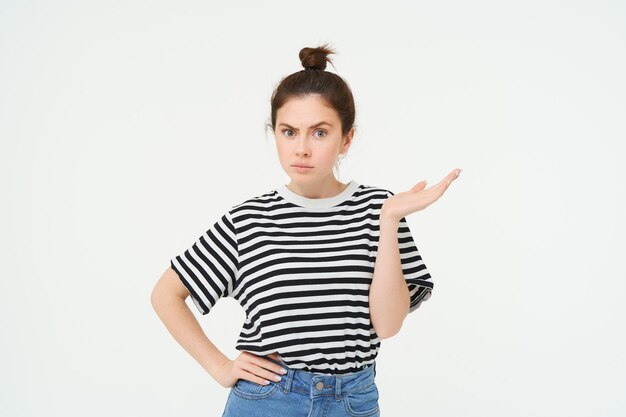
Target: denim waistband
317, 385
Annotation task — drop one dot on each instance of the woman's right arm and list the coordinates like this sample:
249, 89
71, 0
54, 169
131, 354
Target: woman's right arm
168, 300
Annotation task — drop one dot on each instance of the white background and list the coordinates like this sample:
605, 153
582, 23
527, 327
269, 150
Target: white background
126, 128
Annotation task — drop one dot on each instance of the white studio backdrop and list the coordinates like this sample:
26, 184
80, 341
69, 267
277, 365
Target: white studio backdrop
127, 127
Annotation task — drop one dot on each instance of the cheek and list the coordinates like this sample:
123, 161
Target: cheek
281, 150
285, 155
329, 157
331, 150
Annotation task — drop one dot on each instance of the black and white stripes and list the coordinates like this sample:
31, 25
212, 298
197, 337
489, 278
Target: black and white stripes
301, 269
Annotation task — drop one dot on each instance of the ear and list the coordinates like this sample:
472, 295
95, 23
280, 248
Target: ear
347, 141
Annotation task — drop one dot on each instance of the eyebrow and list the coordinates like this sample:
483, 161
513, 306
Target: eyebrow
315, 125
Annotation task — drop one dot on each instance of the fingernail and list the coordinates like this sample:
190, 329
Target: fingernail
278, 377
283, 370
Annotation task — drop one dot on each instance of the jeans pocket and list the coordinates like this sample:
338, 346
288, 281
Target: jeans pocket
252, 390
362, 403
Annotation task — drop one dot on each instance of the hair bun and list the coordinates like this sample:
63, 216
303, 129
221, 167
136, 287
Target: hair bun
315, 58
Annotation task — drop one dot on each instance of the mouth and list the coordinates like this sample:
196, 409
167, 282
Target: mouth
302, 166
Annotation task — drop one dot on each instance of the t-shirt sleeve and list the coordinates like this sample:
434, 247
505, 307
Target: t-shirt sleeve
208, 269
414, 269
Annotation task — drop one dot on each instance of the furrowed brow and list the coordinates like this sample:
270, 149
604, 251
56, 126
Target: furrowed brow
315, 125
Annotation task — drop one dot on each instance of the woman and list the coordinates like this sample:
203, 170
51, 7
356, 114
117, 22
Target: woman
324, 270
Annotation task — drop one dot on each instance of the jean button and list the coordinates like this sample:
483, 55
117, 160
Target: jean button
319, 385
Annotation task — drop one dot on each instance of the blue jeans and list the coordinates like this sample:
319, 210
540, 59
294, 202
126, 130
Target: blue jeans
307, 394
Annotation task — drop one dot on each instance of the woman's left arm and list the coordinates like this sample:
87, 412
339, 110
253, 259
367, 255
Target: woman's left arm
389, 294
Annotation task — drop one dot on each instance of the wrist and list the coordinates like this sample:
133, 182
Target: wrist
388, 222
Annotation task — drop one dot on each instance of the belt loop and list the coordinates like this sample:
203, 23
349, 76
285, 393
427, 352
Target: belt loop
288, 379
338, 387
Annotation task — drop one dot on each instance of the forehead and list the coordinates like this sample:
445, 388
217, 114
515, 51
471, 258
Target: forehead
306, 110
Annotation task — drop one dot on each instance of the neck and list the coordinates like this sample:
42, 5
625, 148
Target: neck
326, 188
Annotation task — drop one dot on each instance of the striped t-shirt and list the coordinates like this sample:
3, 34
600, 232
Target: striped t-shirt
301, 268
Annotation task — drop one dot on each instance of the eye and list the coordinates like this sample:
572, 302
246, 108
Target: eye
322, 131
286, 130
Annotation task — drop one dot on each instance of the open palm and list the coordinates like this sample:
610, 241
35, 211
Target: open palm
417, 198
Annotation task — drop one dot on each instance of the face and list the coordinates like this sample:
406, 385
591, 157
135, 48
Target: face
308, 133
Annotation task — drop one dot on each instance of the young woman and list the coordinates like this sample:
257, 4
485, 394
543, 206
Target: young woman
323, 269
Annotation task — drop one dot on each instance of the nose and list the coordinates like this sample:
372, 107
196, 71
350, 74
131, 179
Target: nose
302, 148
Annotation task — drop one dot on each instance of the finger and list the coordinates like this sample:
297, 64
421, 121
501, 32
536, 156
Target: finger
261, 373
452, 176
267, 369
249, 376
276, 368
419, 186
441, 185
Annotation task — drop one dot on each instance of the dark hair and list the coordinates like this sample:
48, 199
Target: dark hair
314, 80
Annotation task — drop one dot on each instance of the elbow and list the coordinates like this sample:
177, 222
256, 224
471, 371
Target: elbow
389, 328
386, 335
167, 290
389, 332
158, 297
155, 298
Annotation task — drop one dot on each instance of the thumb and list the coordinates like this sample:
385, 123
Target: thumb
419, 186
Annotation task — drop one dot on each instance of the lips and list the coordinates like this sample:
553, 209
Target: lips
302, 166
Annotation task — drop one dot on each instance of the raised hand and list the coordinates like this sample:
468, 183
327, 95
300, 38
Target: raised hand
417, 198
